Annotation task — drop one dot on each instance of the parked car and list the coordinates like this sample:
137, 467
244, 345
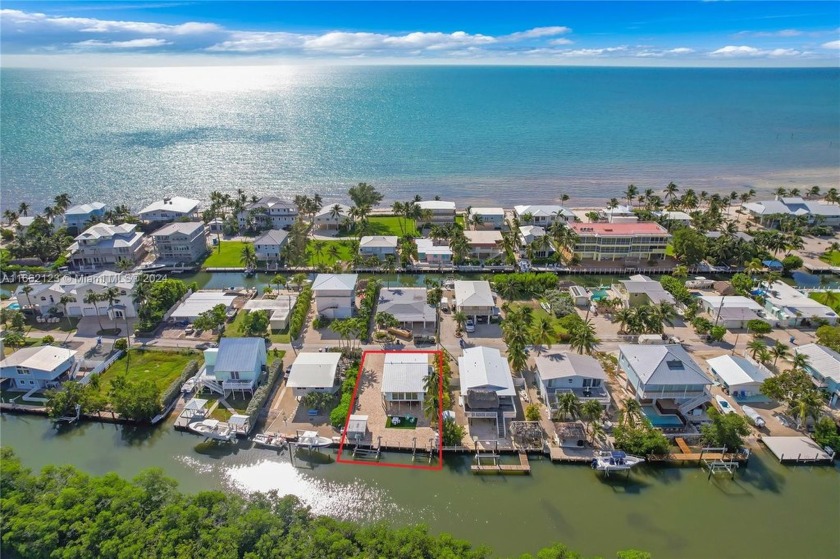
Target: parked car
206, 345
470, 327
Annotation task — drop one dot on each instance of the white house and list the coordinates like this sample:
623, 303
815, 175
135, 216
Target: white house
732, 311
618, 214
403, 377
327, 219
535, 235
37, 367
104, 246
792, 307
180, 242
268, 212
642, 290
77, 217
474, 299
170, 209
770, 212
543, 215
202, 301
491, 218
739, 376
379, 246
559, 373
314, 372
824, 367
269, 245
442, 212
236, 365
487, 390
46, 297
674, 217
664, 377
335, 294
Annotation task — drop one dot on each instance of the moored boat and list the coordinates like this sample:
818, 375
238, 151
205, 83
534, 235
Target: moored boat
614, 461
310, 439
213, 429
269, 440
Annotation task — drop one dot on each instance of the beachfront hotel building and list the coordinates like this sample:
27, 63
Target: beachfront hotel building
619, 241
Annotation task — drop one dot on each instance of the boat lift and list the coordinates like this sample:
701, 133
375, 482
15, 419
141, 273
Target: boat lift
719, 465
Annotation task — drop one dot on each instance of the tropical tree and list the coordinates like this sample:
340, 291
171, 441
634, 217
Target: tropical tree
543, 333
65, 299
385, 320
460, 319
631, 414
27, 289
568, 406
298, 280
248, 257
756, 345
582, 338
279, 280
23, 209
592, 412
92, 298
779, 350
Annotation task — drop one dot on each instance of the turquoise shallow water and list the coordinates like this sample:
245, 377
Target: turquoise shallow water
474, 134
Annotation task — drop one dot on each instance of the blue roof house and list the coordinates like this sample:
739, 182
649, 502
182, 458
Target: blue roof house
235, 365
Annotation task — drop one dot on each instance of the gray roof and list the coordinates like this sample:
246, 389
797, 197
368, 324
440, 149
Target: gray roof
405, 372
736, 313
379, 241
564, 364
663, 364
335, 282
273, 237
822, 359
652, 288
238, 354
84, 209
177, 204
407, 304
185, 227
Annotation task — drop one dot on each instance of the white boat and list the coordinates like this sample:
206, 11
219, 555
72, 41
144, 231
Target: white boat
310, 439
213, 429
724, 405
614, 461
189, 385
752, 414
269, 440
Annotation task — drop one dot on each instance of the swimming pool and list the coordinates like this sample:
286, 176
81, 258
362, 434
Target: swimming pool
14, 307
659, 420
599, 295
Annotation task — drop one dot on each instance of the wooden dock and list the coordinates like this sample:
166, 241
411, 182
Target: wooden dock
686, 454
573, 455
524, 467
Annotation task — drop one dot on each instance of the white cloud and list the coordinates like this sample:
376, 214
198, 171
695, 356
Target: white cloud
561, 41
37, 22
537, 33
680, 50
780, 33
746, 51
831, 45
132, 44
249, 42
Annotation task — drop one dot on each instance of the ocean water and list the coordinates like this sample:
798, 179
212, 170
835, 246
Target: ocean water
473, 134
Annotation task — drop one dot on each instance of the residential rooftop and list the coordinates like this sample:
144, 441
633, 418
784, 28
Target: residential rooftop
618, 229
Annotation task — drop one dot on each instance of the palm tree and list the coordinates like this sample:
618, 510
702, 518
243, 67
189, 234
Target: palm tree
755, 346
671, 191
543, 333
279, 280
592, 412
10, 216
91, 298
623, 317
583, 339
112, 295
27, 289
779, 350
630, 193
63, 302
631, 414
799, 361
808, 404
764, 356
23, 209
298, 280
460, 319
248, 257
62, 201
568, 406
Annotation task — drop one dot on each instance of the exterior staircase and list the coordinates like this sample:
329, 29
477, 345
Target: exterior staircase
693, 403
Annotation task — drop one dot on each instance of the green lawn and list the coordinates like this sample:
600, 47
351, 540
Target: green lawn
227, 255
162, 367
540, 312
61, 326
828, 298
234, 330
403, 424
832, 257
386, 225
345, 252
236, 401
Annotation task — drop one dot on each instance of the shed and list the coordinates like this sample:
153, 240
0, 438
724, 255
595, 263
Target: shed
741, 377
569, 434
357, 427
579, 295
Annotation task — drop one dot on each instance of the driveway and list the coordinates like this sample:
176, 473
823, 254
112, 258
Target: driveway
89, 326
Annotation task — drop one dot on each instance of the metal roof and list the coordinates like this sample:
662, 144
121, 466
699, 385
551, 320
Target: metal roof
239, 354
663, 364
405, 372
335, 282
822, 359
314, 370
43, 358
202, 301
273, 237
379, 241
565, 364
473, 294
177, 204
735, 370
406, 304
484, 368
185, 227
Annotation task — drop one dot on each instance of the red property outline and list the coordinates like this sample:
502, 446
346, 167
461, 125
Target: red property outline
439, 465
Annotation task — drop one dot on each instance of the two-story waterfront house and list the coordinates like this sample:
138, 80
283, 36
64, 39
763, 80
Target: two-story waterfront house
487, 218
269, 246
170, 209
335, 294
236, 365
487, 390
37, 367
180, 242
440, 212
543, 215
564, 372
104, 246
379, 246
269, 212
45, 298
665, 380
77, 217
432, 253
824, 367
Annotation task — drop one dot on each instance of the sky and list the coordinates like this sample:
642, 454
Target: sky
153, 32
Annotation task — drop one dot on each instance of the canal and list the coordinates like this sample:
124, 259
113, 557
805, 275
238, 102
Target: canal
768, 511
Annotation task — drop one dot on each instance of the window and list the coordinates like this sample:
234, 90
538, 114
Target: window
234, 375
23, 370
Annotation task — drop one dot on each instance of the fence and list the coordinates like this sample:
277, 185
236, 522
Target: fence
101, 367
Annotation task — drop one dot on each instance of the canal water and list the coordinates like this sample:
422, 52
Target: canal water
768, 511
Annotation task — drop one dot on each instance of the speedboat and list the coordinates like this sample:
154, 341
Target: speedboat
310, 439
213, 429
269, 440
614, 460
752, 414
723, 403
